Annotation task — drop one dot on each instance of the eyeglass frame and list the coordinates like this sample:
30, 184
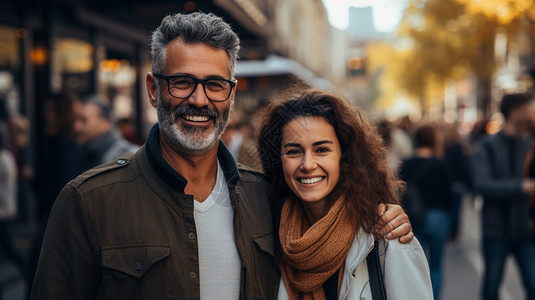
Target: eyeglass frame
197, 81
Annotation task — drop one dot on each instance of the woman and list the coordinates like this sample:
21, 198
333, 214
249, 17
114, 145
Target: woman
327, 167
430, 176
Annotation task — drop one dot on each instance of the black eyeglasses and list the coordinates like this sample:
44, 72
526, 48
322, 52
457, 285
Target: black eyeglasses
183, 86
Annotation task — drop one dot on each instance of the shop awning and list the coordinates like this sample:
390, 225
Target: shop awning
275, 65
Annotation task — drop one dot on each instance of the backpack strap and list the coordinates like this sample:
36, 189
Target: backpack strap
375, 274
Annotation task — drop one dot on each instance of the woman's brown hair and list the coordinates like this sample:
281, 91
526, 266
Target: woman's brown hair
365, 178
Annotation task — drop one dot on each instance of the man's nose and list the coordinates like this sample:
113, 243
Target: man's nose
198, 98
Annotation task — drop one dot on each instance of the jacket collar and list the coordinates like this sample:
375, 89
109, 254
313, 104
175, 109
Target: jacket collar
175, 179
359, 250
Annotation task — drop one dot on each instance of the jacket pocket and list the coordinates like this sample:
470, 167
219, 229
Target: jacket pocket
137, 271
266, 272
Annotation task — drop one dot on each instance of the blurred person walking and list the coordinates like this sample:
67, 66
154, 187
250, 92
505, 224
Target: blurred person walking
242, 148
429, 185
8, 201
58, 162
93, 128
401, 143
498, 164
456, 157
19, 133
60, 153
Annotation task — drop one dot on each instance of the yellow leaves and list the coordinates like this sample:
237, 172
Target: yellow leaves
445, 40
531, 13
502, 11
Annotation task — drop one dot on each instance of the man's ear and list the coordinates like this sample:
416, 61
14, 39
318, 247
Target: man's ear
152, 89
232, 95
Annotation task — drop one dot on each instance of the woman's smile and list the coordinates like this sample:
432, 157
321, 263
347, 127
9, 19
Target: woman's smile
311, 181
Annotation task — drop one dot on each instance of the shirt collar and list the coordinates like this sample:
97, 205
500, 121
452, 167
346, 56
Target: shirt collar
175, 179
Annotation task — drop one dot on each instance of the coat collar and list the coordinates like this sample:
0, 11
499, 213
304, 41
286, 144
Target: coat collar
174, 178
359, 250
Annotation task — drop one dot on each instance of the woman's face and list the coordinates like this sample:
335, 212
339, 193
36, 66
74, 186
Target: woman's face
310, 158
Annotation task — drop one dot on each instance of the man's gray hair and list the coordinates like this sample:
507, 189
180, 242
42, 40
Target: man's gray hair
194, 28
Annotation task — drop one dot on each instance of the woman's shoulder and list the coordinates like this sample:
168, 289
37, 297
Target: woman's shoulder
396, 245
406, 272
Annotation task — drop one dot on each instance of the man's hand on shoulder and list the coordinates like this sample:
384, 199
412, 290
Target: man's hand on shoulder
394, 223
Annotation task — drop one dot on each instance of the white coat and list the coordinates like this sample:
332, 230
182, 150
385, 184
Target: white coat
405, 271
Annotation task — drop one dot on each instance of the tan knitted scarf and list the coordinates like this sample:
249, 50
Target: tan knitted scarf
311, 254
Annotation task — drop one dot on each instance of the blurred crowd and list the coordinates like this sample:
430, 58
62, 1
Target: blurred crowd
441, 166
79, 134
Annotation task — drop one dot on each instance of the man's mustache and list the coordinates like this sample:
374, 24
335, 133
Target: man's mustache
190, 110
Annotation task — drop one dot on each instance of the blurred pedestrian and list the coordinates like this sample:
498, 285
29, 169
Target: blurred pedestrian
58, 162
401, 142
242, 148
429, 185
19, 132
498, 164
456, 153
60, 153
93, 128
8, 200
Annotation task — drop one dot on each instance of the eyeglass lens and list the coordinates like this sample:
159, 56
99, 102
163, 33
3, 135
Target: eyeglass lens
215, 89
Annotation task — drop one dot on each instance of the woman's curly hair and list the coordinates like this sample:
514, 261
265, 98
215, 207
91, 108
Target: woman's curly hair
365, 178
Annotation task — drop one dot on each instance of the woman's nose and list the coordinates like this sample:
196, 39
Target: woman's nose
308, 163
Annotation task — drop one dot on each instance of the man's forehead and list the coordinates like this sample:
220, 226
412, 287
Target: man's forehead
183, 54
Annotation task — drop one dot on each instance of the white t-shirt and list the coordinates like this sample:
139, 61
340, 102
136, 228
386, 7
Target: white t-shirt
219, 260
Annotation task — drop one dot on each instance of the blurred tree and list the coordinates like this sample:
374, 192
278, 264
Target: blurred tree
450, 39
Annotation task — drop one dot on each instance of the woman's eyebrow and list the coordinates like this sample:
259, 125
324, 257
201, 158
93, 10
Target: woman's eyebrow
322, 142
291, 145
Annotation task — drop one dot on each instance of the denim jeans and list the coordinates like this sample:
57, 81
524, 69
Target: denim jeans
433, 236
495, 253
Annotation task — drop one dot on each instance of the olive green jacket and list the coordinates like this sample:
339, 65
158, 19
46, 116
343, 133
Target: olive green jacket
125, 230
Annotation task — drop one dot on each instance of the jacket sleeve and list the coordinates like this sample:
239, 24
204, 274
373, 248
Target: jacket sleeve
67, 266
491, 188
406, 272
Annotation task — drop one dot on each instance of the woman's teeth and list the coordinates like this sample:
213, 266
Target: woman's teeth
310, 180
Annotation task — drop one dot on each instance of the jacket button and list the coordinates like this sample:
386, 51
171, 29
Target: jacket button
192, 275
191, 236
121, 161
138, 266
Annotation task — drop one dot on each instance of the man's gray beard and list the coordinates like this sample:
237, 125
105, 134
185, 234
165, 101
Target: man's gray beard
189, 140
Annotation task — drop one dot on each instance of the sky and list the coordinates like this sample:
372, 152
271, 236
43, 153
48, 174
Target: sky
387, 13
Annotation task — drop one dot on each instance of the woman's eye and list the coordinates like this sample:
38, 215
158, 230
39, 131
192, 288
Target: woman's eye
292, 152
323, 150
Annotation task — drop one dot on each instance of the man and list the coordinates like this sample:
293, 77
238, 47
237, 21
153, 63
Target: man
179, 219
498, 165
93, 128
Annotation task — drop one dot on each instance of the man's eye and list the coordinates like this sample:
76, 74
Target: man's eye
181, 83
215, 85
